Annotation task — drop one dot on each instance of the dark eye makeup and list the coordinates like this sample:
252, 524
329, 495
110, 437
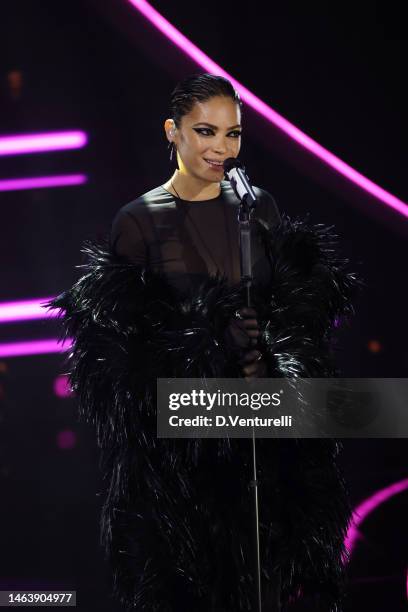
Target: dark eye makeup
209, 132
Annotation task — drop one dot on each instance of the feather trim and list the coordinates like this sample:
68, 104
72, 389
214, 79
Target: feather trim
176, 514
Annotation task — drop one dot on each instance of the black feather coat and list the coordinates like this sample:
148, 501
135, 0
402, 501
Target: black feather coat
177, 516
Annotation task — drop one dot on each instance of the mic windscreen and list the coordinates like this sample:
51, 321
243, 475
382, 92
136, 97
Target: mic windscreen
232, 162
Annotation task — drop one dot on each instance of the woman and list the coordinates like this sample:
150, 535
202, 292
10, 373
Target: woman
187, 228
164, 299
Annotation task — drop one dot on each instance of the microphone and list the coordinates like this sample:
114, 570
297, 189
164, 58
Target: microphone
235, 172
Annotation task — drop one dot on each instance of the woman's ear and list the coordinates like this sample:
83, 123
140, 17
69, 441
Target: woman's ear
170, 128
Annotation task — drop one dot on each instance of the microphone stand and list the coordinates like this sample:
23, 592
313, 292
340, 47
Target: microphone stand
244, 214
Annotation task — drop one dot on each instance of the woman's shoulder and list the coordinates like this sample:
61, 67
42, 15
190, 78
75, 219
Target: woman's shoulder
266, 200
267, 208
142, 208
134, 218
149, 200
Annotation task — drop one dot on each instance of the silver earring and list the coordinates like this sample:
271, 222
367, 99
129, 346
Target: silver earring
171, 147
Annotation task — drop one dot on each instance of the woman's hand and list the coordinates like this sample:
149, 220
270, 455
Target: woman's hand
243, 331
242, 334
253, 365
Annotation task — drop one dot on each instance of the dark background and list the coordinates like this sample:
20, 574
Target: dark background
338, 72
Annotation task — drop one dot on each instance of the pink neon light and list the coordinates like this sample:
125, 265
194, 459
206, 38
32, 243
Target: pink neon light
266, 111
41, 182
34, 347
62, 387
66, 439
11, 312
367, 507
39, 143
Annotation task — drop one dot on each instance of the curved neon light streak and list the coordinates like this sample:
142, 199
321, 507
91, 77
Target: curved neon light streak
266, 111
34, 347
25, 310
367, 507
42, 182
20, 144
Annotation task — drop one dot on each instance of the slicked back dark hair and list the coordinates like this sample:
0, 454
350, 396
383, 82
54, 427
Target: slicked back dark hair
199, 88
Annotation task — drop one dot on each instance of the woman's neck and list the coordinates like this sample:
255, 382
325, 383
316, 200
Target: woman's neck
190, 188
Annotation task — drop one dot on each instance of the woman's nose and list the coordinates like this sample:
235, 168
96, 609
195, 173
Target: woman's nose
220, 146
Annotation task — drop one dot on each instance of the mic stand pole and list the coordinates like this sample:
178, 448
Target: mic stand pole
246, 275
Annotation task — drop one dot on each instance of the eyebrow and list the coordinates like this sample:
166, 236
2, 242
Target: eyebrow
214, 127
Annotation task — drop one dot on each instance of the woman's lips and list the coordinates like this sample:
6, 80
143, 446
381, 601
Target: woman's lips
215, 165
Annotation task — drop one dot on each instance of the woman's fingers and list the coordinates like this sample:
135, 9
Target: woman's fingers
251, 363
250, 324
247, 311
244, 329
256, 368
250, 357
247, 325
243, 337
249, 319
261, 371
250, 370
251, 332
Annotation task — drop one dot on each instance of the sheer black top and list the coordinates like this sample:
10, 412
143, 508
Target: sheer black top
188, 240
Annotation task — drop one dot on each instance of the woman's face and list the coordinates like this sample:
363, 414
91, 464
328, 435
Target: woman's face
210, 132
